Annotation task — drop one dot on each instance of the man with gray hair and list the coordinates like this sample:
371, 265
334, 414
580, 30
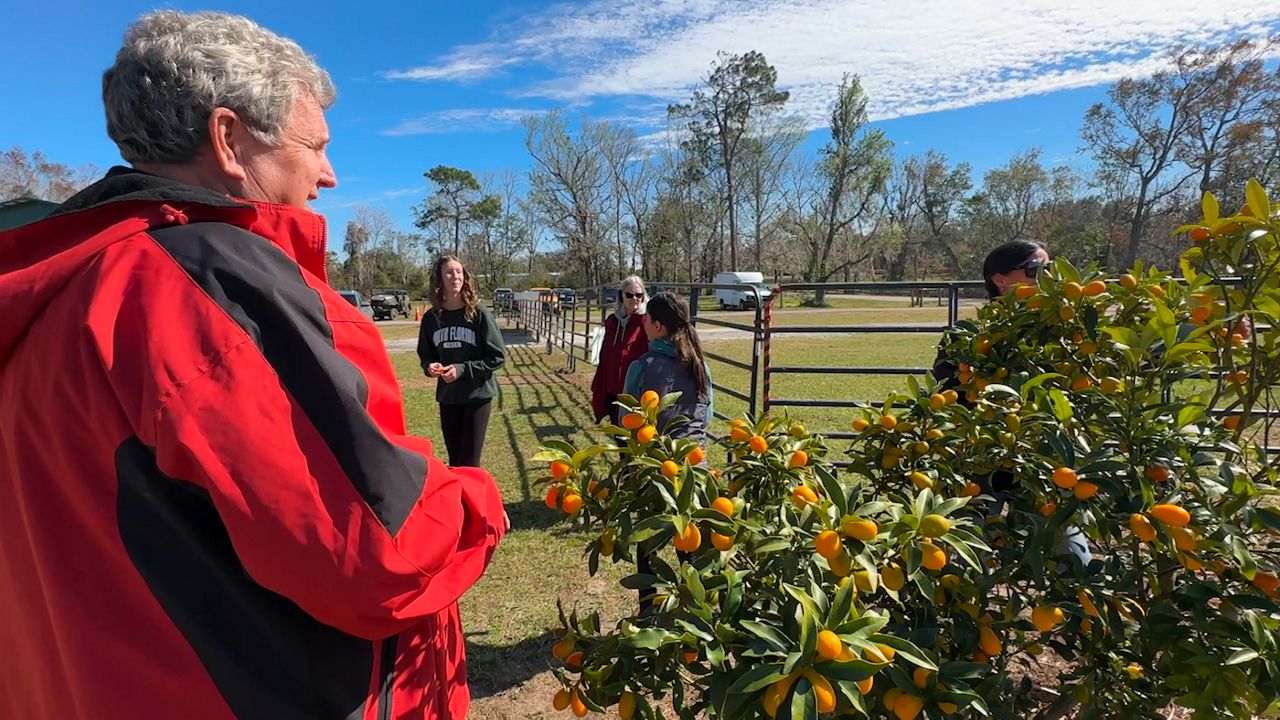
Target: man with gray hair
211, 505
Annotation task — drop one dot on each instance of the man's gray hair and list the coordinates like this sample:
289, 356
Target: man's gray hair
175, 68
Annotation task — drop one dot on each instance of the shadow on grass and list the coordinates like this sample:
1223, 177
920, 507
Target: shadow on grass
511, 336
536, 406
532, 515
492, 669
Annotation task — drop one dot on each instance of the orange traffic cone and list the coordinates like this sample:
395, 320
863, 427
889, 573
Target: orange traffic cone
417, 315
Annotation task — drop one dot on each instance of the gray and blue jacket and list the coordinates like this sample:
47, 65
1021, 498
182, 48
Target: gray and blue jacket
662, 371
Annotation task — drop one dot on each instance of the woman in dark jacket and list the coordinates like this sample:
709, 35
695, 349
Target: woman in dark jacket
624, 342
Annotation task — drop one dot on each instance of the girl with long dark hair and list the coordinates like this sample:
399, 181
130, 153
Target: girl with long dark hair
674, 363
460, 345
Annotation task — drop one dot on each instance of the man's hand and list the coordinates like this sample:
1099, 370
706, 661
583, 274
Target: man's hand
434, 369
449, 373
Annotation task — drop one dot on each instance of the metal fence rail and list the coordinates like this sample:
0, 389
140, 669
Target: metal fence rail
571, 330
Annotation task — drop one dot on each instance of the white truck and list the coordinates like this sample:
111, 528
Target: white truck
740, 298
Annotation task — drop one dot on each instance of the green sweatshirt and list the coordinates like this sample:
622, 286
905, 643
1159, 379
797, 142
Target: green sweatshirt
476, 347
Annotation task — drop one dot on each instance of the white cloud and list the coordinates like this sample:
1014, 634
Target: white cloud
914, 56
328, 202
464, 63
461, 120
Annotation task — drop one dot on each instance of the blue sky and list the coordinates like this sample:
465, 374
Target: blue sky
445, 82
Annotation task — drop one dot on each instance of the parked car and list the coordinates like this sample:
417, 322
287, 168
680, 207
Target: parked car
356, 299
736, 297
389, 302
503, 299
567, 298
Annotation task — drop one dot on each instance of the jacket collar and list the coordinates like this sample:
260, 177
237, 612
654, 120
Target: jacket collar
663, 346
298, 232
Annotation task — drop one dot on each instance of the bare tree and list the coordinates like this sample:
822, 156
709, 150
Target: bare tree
766, 152
570, 185
1010, 195
37, 176
739, 88
1231, 87
855, 165
942, 189
1133, 138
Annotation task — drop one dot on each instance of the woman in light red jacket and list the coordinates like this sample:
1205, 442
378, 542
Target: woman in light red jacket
624, 341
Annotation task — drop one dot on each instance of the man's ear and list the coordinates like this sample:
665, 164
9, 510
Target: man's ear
226, 133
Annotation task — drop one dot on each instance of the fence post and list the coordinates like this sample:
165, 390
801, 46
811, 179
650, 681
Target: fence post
768, 349
573, 338
758, 336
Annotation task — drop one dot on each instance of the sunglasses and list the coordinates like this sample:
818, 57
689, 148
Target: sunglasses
633, 296
1031, 267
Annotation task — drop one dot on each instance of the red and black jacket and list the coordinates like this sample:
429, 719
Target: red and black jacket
209, 505
623, 344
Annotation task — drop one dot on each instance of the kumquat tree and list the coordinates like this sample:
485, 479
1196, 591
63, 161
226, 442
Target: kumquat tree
1123, 415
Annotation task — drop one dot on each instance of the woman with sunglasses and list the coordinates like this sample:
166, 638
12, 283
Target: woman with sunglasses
624, 342
1012, 264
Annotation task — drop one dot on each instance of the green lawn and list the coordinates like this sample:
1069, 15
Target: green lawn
398, 332
859, 350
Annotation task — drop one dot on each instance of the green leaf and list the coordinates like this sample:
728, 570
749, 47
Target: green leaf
834, 490
1189, 414
950, 506
546, 455
840, 605
1061, 406
772, 545
969, 539
1037, 381
803, 704
639, 581
1209, 207
732, 593
861, 628
688, 485
560, 445
806, 602
650, 527
906, 649
855, 670
1243, 655
693, 628
586, 454
1248, 567
964, 551
649, 639
768, 634
760, 676
1189, 261
1259, 205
